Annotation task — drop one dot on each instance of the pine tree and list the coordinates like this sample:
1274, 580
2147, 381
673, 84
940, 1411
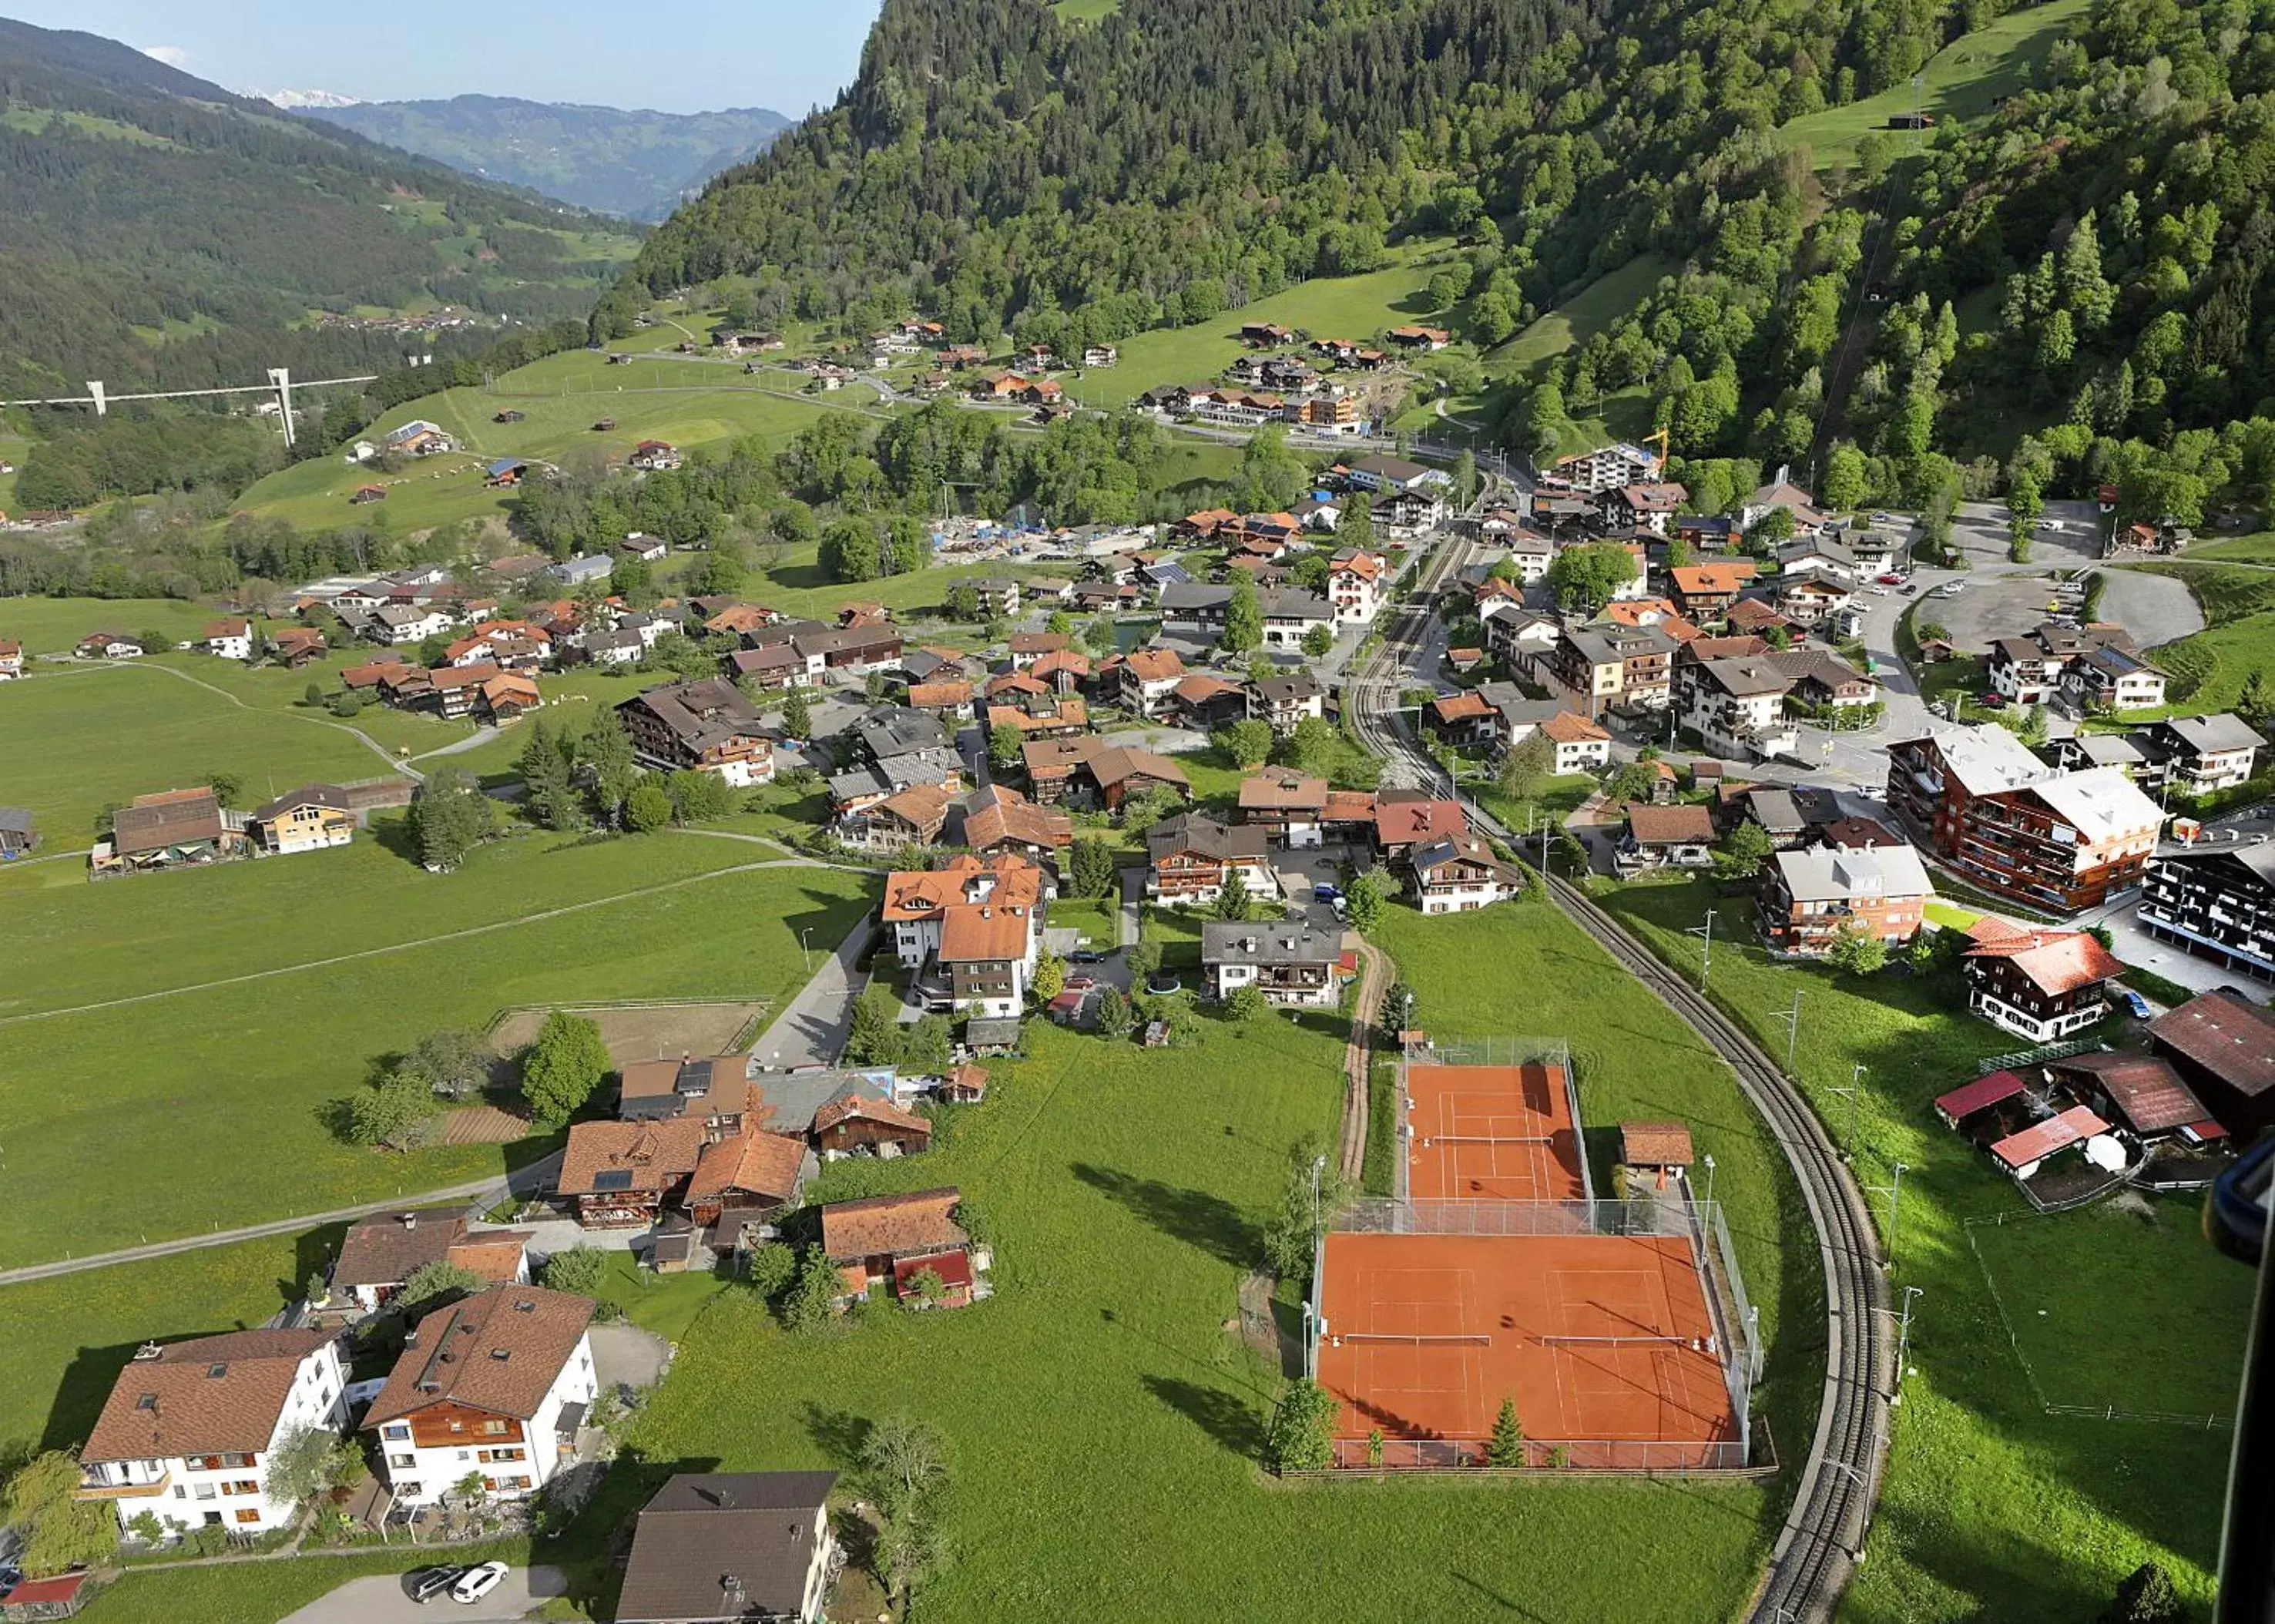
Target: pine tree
1506, 1447
797, 713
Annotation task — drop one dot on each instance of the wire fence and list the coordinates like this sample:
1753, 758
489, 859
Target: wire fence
1587, 1454
1503, 1052
1374, 1215
2213, 1422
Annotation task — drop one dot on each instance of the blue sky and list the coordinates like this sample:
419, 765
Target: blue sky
689, 55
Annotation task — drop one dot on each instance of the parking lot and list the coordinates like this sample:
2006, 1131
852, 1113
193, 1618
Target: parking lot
385, 1598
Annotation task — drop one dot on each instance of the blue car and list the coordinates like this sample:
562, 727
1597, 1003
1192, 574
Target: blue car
2135, 1006
1325, 893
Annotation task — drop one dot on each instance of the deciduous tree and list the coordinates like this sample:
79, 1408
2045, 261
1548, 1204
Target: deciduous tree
563, 1067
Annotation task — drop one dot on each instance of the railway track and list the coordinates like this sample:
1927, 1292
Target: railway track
1815, 1552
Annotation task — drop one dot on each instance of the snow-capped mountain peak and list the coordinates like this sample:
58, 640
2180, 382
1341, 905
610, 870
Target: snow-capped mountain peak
290, 99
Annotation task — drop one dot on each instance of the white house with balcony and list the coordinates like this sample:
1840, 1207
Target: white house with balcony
1737, 706
190, 1429
487, 1396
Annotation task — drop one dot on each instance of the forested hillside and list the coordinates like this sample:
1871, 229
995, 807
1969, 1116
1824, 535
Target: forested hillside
158, 228
634, 163
2065, 289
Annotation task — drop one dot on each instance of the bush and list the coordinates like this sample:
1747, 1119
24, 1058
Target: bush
773, 1268
1246, 1003
580, 1270
1301, 1436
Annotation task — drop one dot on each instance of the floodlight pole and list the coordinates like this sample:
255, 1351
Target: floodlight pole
1709, 1160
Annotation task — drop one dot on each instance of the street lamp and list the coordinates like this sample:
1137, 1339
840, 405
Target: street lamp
804, 947
1709, 1160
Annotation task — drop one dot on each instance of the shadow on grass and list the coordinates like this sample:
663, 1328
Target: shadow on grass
1230, 1420
837, 1433
1193, 1216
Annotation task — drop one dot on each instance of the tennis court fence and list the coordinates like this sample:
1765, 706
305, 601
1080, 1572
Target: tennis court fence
1380, 1215
1592, 1455
1507, 1052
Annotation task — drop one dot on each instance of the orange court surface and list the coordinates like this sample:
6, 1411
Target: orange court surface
1494, 1313
1491, 1133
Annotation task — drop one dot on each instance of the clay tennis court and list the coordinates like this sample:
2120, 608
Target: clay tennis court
1495, 1311
1491, 1133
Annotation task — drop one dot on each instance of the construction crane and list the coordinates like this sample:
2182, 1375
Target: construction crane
1663, 439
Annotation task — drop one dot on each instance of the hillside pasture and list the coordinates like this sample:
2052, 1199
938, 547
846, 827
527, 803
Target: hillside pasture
1961, 85
1567, 326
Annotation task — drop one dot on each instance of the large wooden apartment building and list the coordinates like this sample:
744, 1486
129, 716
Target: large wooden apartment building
1991, 809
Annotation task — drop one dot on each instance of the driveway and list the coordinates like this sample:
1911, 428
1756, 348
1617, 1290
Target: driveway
625, 1355
813, 1029
382, 1599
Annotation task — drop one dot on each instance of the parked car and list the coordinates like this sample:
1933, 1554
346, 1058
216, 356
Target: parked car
1892, 578
1885, 518
2135, 1006
1992, 701
428, 1583
1325, 892
1908, 588
477, 1582
1078, 984
1086, 956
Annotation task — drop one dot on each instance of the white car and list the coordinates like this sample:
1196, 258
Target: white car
477, 1582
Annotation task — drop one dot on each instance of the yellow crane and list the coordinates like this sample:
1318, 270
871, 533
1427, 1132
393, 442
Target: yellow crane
1662, 439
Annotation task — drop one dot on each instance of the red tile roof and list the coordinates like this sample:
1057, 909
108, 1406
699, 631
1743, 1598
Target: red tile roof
497, 1351
760, 1163
1655, 1145
2056, 962
923, 1220
2043, 1139
2232, 1040
209, 1395
1404, 822
1984, 1092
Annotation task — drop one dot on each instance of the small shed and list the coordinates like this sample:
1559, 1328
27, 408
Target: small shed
1656, 1145
966, 1085
19, 832
2024, 1153
1980, 1095
992, 1034
604, 425
58, 1597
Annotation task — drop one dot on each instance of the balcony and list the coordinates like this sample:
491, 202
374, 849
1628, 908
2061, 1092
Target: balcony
93, 1487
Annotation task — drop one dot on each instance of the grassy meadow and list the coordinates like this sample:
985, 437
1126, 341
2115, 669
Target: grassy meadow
1990, 1507
2210, 668
185, 1086
1962, 83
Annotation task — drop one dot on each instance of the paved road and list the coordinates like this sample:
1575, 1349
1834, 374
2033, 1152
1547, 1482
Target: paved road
381, 1599
479, 1193
813, 1029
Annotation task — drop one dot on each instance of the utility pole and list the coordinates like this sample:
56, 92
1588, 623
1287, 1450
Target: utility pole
1903, 1342
1707, 960
1893, 1190
1793, 1032
1854, 1073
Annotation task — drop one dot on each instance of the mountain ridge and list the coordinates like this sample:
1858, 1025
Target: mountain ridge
637, 163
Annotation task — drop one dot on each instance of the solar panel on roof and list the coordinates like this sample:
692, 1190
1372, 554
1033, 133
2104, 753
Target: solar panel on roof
614, 1178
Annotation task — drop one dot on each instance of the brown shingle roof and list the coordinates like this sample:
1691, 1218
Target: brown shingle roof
656, 1154
871, 1109
209, 1395
1154, 665
1571, 727
1655, 1145
171, 818
1669, 826
891, 1225
498, 1351
939, 696
997, 814
2056, 962
764, 1164
2148, 1094
1406, 821
495, 1255
1120, 764
1282, 789
2230, 1038
389, 1250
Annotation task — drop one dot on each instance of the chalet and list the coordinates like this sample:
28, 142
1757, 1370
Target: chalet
309, 817
1704, 593
1291, 962
1782, 492
2223, 1046
1065, 670
1291, 614
378, 1255
895, 1239
1814, 555
2214, 901
999, 822
1148, 679
1410, 513
1808, 899
624, 1175
645, 548
1101, 355
1285, 701
491, 1387
1235, 408
1121, 772
1991, 809
2037, 983
1608, 468
107, 646
2030, 670
857, 1123
1522, 639
1459, 873
1806, 600
917, 816
191, 1430
1666, 837
417, 438
505, 472
1356, 581
1419, 337
1611, 665
1195, 608
1405, 819
1737, 706
228, 639
12, 659
1026, 647
2200, 754
1285, 804
743, 1178
1264, 335
297, 646
1049, 714
1205, 703
978, 925
710, 1547
170, 829
946, 698
403, 626
1191, 857
708, 725
1650, 505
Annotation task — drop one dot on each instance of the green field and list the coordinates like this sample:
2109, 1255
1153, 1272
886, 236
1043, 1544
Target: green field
2252, 549
77, 740
2210, 668
1355, 307
2056, 1278
53, 625
1963, 82
192, 1088
1124, 1188
1581, 317
1992, 1508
